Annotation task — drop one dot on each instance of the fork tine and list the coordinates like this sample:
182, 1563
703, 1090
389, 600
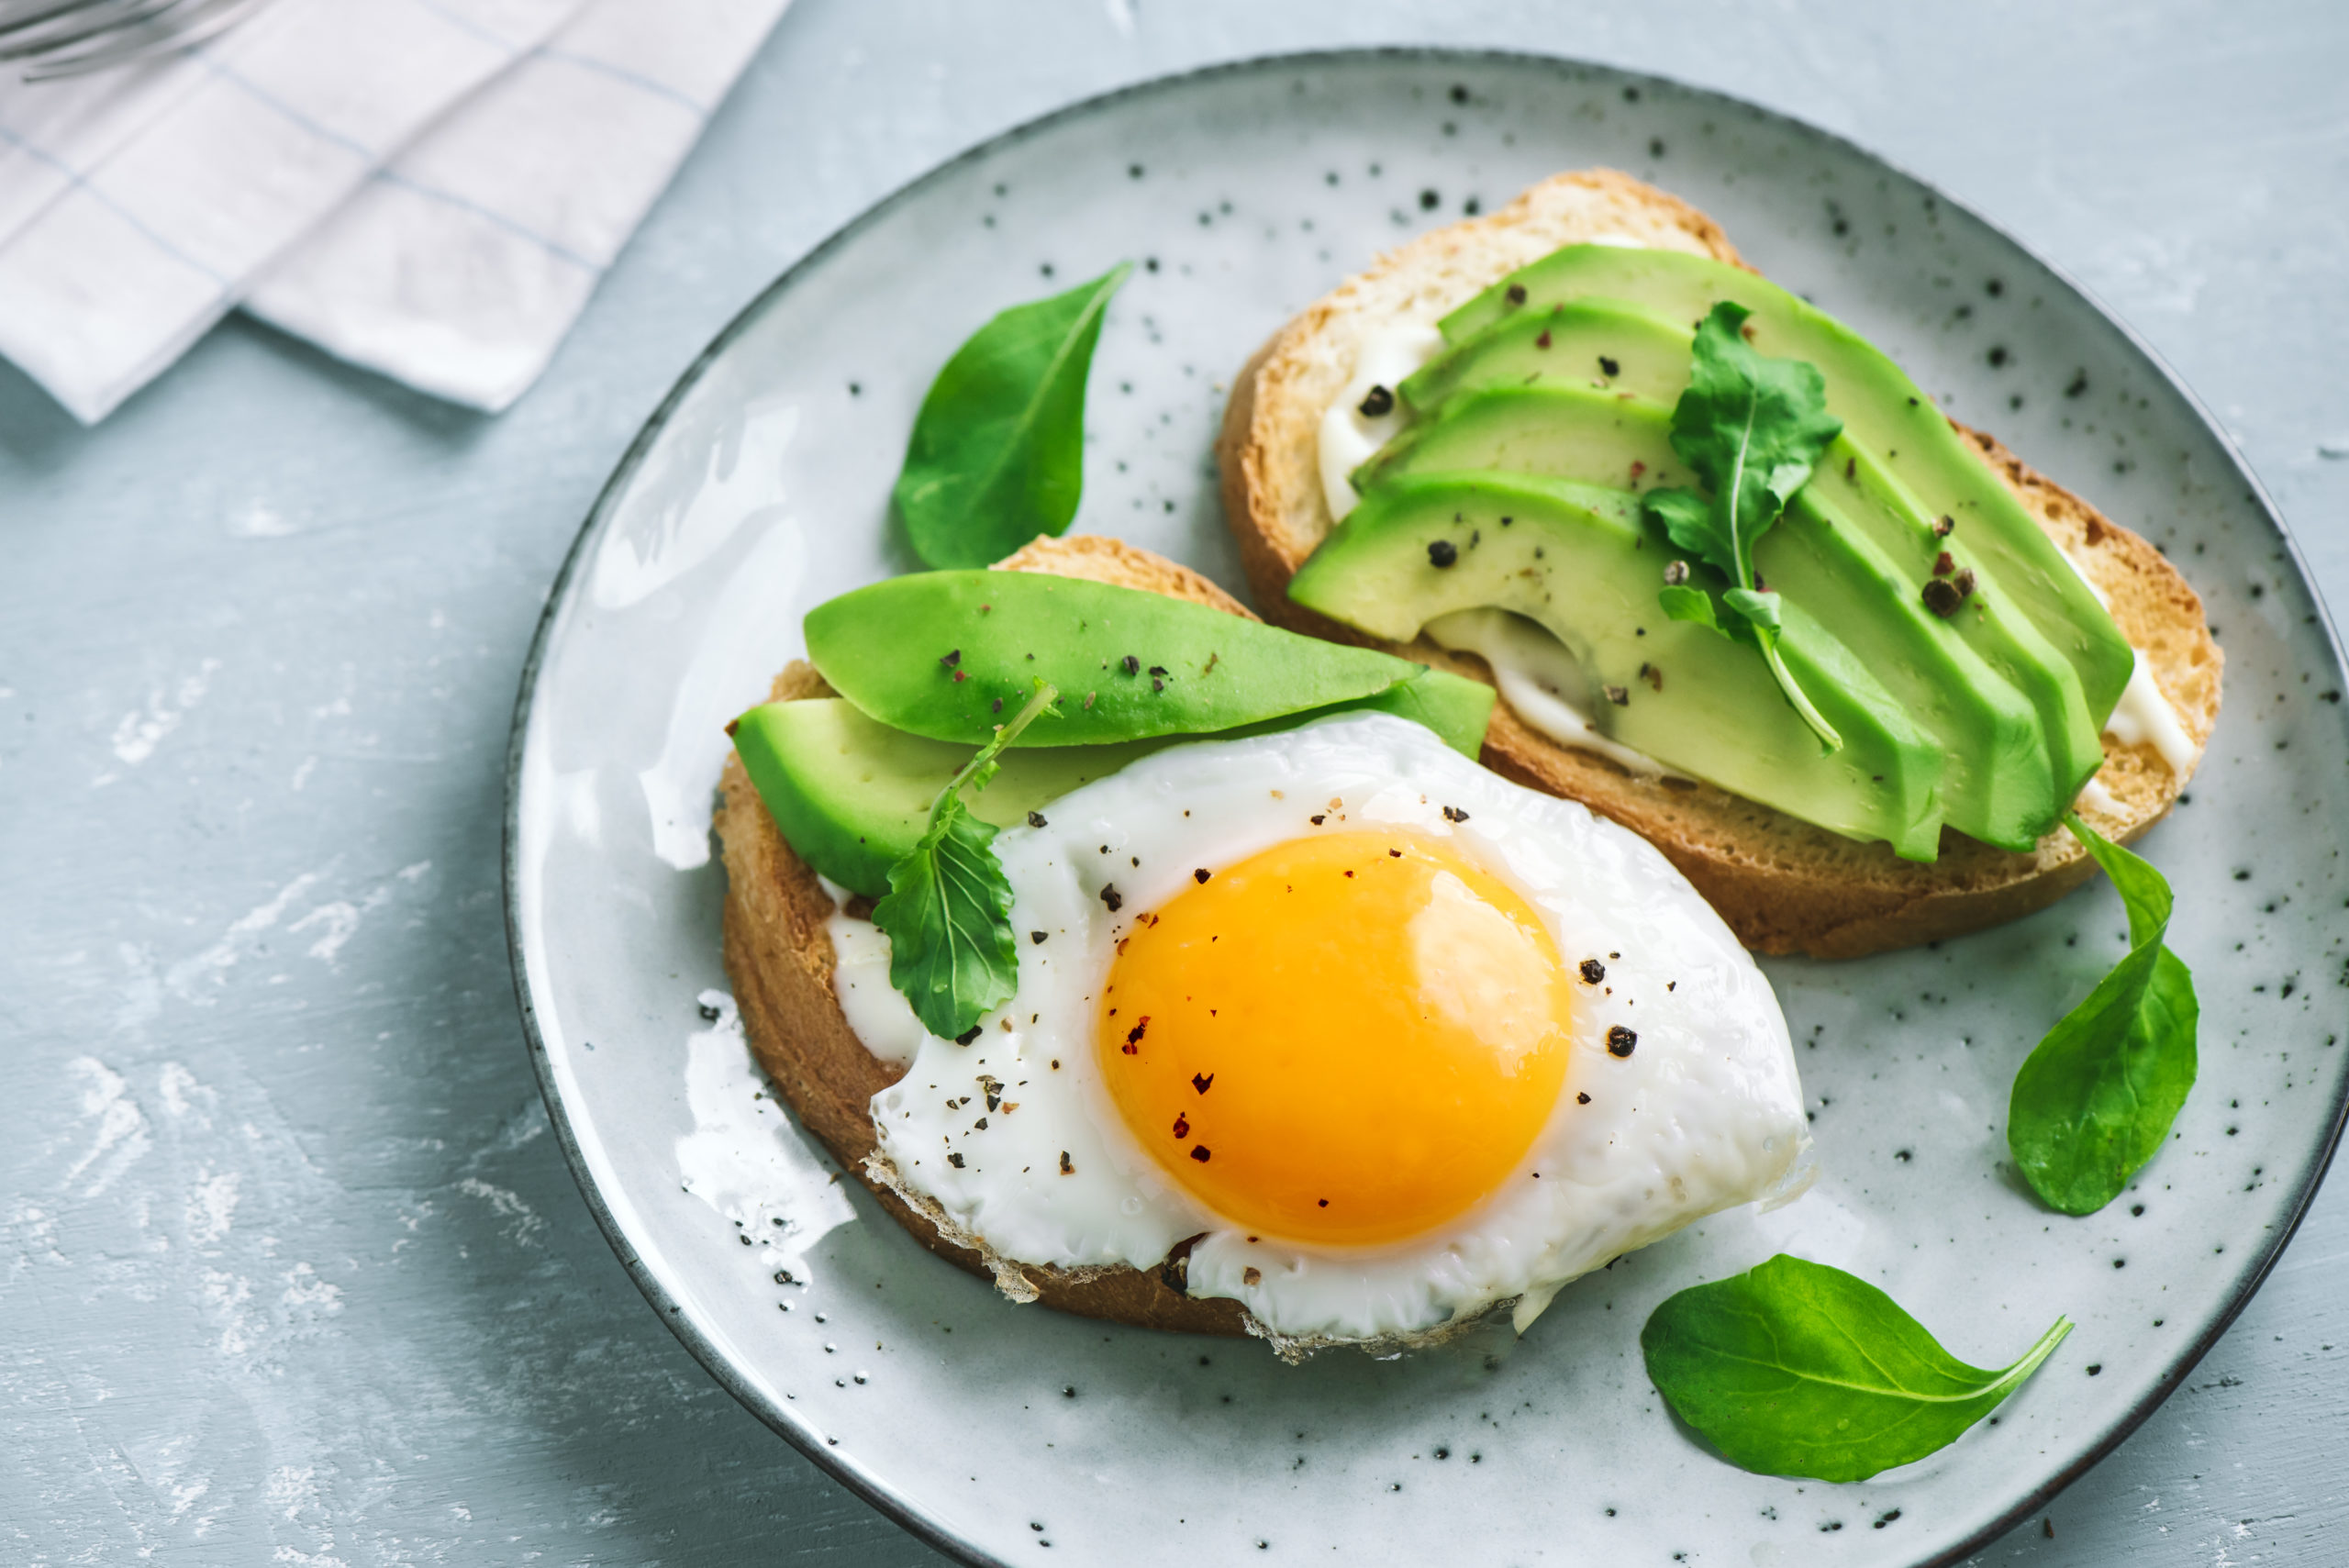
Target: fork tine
17, 18
23, 13
83, 24
197, 21
14, 16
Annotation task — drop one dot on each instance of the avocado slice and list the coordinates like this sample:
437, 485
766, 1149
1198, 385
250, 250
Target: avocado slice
851, 795
1883, 413
1855, 486
946, 654
1993, 623
1999, 784
1609, 344
1575, 559
1553, 432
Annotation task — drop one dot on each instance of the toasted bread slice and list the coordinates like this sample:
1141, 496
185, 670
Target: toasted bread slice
1782, 885
780, 958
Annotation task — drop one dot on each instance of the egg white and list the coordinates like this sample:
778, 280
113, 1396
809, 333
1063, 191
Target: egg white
1706, 1113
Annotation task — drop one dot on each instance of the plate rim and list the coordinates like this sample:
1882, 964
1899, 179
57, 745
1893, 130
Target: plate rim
843, 1467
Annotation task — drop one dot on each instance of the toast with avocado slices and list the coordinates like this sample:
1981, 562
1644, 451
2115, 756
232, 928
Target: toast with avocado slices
1478, 454
781, 959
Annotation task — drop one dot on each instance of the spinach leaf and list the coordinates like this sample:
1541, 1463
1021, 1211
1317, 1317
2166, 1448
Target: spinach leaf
947, 911
1796, 1369
1753, 428
998, 454
2096, 1100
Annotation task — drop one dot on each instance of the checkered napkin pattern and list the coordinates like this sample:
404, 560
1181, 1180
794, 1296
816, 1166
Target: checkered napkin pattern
428, 188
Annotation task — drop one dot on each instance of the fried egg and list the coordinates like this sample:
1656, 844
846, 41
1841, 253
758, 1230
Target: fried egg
1372, 1038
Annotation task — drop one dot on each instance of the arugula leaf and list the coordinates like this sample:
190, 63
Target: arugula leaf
1752, 428
1696, 605
998, 453
2095, 1101
1794, 1368
1760, 610
947, 911
1685, 516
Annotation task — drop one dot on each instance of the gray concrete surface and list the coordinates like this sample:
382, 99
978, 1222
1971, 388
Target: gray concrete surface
290, 1270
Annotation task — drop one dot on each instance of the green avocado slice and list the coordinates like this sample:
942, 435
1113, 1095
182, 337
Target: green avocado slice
945, 655
853, 794
1993, 623
1883, 413
1851, 486
1854, 486
1576, 560
1999, 784
1609, 344
1551, 432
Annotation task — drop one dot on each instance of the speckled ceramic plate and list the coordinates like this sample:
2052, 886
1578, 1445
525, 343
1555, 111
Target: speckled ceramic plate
1014, 1435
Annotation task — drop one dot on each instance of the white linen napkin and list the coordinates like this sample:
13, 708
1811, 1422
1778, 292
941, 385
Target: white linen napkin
430, 188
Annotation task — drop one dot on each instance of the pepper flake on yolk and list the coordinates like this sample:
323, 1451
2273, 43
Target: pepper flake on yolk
1345, 1040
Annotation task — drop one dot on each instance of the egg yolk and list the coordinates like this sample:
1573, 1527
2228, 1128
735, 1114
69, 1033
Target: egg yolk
1345, 1040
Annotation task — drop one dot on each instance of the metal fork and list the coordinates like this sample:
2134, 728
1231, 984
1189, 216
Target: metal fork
73, 38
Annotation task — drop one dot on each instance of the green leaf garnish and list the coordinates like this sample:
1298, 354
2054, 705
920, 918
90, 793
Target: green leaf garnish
1692, 604
1753, 428
947, 911
998, 453
2095, 1101
1794, 1368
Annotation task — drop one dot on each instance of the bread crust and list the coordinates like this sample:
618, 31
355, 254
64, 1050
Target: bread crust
780, 958
1783, 885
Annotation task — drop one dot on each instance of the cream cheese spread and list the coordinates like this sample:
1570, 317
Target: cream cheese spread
1534, 672
876, 1014
1349, 435
2143, 715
